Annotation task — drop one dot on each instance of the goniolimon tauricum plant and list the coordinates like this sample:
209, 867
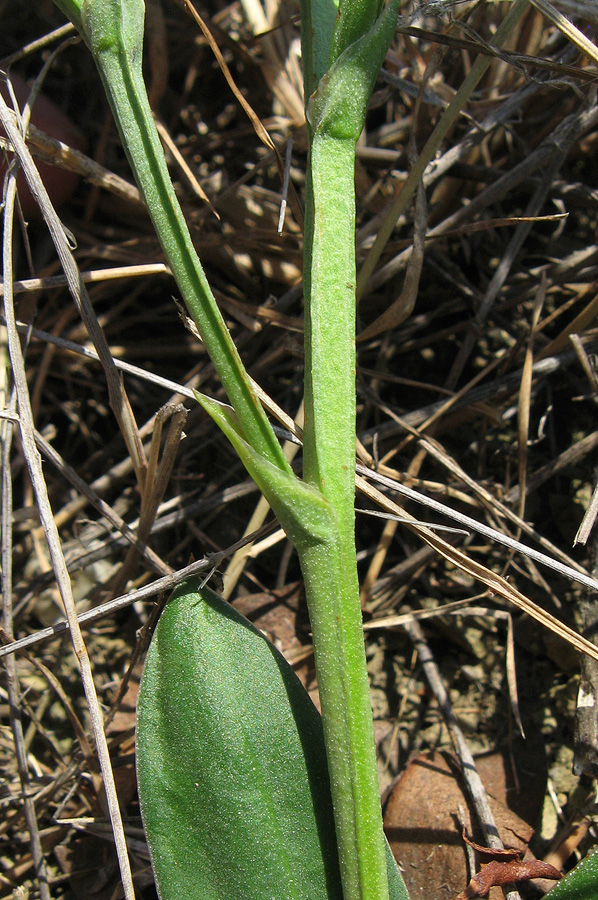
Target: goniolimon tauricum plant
240, 782
343, 51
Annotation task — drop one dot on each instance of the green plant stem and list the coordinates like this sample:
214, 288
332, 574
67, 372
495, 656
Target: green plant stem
113, 30
354, 18
329, 568
329, 283
332, 588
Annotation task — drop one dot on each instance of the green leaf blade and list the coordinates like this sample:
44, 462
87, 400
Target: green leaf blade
580, 884
72, 10
232, 773
305, 515
114, 31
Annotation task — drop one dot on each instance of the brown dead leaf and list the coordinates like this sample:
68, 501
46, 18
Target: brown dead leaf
282, 617
492, 852
512, 872
423, 826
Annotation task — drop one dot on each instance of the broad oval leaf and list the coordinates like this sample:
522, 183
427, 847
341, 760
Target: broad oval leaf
233, 783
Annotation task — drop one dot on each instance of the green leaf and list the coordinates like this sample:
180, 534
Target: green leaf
397, 889
580, 884
231, 765
355, 18
302, 511
72, 10
232, 775
318, 19
114, 30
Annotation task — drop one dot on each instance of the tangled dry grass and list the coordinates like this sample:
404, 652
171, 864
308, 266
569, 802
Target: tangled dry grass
476, 386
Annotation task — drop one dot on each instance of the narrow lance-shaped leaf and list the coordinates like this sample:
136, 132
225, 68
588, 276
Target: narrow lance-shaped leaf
113, 30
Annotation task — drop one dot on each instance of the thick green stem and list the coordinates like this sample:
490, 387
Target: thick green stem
332, 591
329, 568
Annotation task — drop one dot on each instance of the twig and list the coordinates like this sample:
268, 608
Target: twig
448, 119
568, 458
585, 756
469, 771
58, 34
567, 28
567, 571
496, 583
167, 583
34, 467
569, 130
156, 481
95, 275
12, 679
587, 523
118, 397
525, 391
102, 507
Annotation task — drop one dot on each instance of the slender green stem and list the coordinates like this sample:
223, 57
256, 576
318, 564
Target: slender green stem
331, 586
329, 283
336, 113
